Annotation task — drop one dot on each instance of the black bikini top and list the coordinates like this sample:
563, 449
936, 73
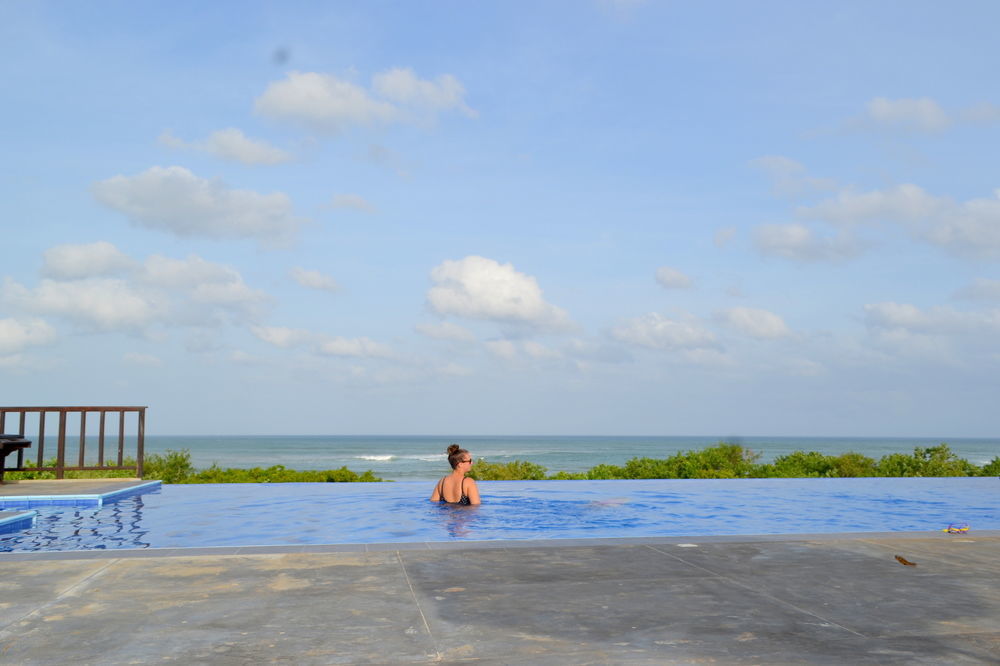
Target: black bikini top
463, 500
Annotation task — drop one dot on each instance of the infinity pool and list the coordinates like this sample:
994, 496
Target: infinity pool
336, 513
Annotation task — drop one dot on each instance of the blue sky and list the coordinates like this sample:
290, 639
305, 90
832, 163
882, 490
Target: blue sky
719, 218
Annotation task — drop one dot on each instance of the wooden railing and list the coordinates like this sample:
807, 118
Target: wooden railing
113, 459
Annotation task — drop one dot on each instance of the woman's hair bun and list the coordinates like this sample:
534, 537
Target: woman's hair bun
453, 449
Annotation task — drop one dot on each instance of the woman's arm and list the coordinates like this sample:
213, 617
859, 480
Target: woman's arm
473, 492
436, 495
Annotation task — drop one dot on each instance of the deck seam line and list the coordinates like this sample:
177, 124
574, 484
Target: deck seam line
758, 591
413, 593
62, 595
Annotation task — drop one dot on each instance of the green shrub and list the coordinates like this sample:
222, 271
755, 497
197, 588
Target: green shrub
802, 464
170, 467
992, 468
516, 470
931, 461
276, 474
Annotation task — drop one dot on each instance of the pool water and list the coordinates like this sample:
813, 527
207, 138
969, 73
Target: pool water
335, 513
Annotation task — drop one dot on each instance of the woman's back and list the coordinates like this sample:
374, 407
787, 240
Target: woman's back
452, 490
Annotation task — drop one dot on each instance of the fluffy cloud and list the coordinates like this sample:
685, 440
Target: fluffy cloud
173, 199
903, 203
314, 279
480, 288
502, 348
159, 291
402, 86
969, 228
101, 303
17, 335
322, 344
922, 114
755, 323
446, 330
144, 360
654, 331
231, 144
671, 278
325, 103
800, 243
981, 289
933, 321
789, 177
68, 262
352, 201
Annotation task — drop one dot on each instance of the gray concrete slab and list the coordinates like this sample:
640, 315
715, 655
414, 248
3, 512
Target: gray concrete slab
777, 601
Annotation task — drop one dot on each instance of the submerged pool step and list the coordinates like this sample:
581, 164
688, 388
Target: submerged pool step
15, 521
81, 499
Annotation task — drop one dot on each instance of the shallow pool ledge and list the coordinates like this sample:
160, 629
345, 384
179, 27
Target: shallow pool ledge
72, 492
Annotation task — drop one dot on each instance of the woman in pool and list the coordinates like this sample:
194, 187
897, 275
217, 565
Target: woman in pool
456, 488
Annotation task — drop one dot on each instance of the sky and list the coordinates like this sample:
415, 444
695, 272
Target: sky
501, 217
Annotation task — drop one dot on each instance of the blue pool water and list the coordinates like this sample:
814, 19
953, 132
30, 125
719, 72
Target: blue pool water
322, 513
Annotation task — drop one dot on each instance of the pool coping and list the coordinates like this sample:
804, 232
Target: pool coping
80, 499
679, 541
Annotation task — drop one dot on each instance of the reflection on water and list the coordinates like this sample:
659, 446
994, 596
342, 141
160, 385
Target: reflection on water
115, 525
459, 521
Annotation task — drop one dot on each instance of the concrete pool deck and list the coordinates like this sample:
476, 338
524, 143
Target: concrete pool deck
819, 599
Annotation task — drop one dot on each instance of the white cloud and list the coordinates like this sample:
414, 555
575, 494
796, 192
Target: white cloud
903, 203
323, 102
231, 144
502, 348
654, 331
314, 279
755, 323
359, 347
200, 282
173, 199
100, 259
100, 303
970, 228
319, 343
538, 350
17, 335
446, 330
981, 289
722, 237
921, 114
352, 201
144, 360
160, 291
480, 288
402, 86
280, 336
789, 178
800, 243
671, 278
933, 321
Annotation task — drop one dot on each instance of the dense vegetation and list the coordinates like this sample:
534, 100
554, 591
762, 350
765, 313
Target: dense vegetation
732, 461
723, 461
176, 467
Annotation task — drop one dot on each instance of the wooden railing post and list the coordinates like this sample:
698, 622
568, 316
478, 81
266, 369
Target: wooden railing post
141, 442
61, 446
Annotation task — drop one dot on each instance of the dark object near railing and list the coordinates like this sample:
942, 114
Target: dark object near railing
9, 444
117, 455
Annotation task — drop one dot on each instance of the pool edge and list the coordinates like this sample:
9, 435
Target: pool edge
199, 551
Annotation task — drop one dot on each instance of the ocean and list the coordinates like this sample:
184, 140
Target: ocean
413, 458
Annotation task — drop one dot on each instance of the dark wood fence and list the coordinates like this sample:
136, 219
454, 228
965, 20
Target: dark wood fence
110, 455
